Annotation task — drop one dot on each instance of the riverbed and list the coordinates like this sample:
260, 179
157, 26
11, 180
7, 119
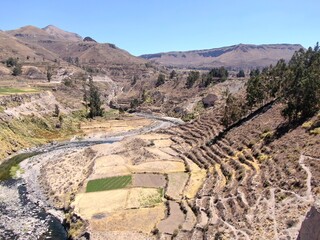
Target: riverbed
25, 210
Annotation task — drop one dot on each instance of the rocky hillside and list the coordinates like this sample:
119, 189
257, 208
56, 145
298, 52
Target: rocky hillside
242, 56
71, 47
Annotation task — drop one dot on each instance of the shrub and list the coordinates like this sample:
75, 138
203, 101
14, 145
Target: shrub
17, 70
161, 80
192, 78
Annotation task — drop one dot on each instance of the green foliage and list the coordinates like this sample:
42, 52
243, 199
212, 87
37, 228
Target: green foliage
10, 91
241, 74
152, 200
315, 131
233, 111
134, 103
17, 70
188, 117
145, 97
9, 168
67, 82
215, 75
297, 84
49, 73
255, 90
111, 183
11, 62
161, 80
94, 101
301, 88
173, 74
192, 78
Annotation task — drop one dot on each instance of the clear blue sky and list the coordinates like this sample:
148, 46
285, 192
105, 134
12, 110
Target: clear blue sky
150, 26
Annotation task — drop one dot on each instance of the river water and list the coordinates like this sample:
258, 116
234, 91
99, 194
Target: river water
22, 216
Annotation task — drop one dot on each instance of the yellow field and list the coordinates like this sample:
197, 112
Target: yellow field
158, 167
195, 182
115, 200
89, 204
133, 220
143, 197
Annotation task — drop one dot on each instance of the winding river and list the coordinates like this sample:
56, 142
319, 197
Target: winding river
24, 212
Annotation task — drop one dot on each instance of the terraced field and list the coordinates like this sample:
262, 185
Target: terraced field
252, 181
252, 190
10, 91
108, 183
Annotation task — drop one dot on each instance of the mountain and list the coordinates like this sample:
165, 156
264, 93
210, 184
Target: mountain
32, 33
52, 43
58, 33
242, 56
11, 46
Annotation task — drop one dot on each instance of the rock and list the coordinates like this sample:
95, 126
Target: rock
89, 39
209, 100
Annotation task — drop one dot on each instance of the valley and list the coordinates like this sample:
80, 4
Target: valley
96, 143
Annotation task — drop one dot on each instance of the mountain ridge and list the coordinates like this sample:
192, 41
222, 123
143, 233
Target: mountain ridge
234, 56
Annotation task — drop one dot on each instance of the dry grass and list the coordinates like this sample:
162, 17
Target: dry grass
195, 182
115, 200
133, 220
107, 201
158, 167
176, 184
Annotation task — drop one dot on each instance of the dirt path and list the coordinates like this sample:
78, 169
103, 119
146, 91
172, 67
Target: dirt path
309, 196
272, 205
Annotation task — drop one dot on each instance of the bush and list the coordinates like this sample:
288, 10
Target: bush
192, 78
17, 70
161, 80
11, 62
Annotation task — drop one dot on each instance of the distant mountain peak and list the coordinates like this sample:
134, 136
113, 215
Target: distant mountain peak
61, 34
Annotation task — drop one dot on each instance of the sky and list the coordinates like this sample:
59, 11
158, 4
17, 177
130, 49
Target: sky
152, 26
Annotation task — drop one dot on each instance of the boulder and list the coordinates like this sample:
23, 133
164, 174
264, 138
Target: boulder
209, 100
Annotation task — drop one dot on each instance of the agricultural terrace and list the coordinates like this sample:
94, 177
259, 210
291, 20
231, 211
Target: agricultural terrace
106, 184
4, 91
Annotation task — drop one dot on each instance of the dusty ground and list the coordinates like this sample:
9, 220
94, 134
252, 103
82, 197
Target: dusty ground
149, 180
98, 129
134, 220
176, 184
174, 220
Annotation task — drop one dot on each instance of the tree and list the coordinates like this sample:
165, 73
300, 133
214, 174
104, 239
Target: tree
49, 73
300, 89
215, 75
173, 74
11, 62
161, 80
17, 70
296, 84
192, 78
56, 110
94, 101
240, 74
255, 91
233, 111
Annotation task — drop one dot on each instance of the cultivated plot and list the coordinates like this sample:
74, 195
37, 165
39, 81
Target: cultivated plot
111, 183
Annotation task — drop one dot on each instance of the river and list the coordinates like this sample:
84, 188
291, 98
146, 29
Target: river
25, 213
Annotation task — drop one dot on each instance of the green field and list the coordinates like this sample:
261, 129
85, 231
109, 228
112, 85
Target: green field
9, 167
10, 91
108, 183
